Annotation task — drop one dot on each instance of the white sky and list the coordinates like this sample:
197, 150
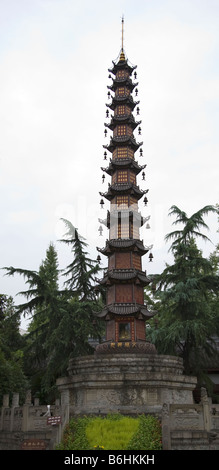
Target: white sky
54, 60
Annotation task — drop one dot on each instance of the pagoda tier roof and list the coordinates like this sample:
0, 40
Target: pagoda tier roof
122, 141
121, 188
120, 100
126, 81
123, 309
124, 119
124, 245
125, 276
122, 65
126, 214
123, 163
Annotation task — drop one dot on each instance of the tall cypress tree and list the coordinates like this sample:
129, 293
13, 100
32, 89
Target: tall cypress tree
12, 377
82, 270
186, 322
62, 319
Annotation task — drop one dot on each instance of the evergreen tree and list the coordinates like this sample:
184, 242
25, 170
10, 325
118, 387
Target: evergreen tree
44, 304
186, 321
214, 260
46, 318
82, 270
12, 377
62, 319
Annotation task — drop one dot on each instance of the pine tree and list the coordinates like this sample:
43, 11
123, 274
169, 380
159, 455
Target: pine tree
62, 319
43, 304
186, 322
82, 270
12, 377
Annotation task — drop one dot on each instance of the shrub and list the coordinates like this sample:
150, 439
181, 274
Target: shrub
114, 432
74, 437
148, 435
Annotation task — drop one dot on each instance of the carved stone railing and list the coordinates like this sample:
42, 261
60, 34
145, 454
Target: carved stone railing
32, 418
194, 426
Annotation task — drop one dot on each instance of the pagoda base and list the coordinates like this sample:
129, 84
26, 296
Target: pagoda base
127, 347
124, 383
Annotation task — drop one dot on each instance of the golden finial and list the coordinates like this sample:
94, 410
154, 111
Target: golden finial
122, 55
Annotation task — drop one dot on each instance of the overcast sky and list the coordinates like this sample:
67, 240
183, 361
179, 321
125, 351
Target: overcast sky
54, 60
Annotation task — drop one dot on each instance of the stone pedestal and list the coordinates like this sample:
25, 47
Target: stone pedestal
125, 383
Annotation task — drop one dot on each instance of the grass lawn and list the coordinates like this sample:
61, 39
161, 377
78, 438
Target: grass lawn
113, 432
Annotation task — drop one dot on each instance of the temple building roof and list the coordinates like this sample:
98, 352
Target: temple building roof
127, 244
119, 100
125, 275
123, 163
126, 81
122, 64
123, 309
120, 188
122, 140
123, 119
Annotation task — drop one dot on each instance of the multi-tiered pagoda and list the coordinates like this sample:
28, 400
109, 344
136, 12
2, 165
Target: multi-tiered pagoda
140, 382
125, 312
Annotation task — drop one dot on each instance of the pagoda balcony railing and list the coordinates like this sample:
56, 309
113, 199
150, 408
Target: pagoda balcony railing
124, 161
123, 243
106, 270
129, 303
124, 98
123, 117
122, 80
124, 185
123, 138
120, 138
120, 188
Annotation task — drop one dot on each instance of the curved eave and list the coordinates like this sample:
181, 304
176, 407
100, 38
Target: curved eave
121, 188
122, 120
120, 100
124, 245
126, 81
125, 276
123, 309
123, 163
145, 219
122, 64
122, 141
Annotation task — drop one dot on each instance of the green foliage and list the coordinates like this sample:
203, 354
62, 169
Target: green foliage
111, 434
74, 437
62, 319
191, 225
114, 432
82, 270
12, 377
148, 435
187, 315
185, 296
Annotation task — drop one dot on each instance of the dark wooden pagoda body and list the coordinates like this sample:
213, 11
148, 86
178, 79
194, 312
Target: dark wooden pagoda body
125, 312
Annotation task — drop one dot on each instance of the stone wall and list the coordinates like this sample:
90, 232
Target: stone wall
138, 383
29, 424
125, 383
191, 427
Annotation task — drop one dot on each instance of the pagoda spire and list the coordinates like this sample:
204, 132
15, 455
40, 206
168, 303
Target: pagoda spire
122, 31
122, 54
125, 312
